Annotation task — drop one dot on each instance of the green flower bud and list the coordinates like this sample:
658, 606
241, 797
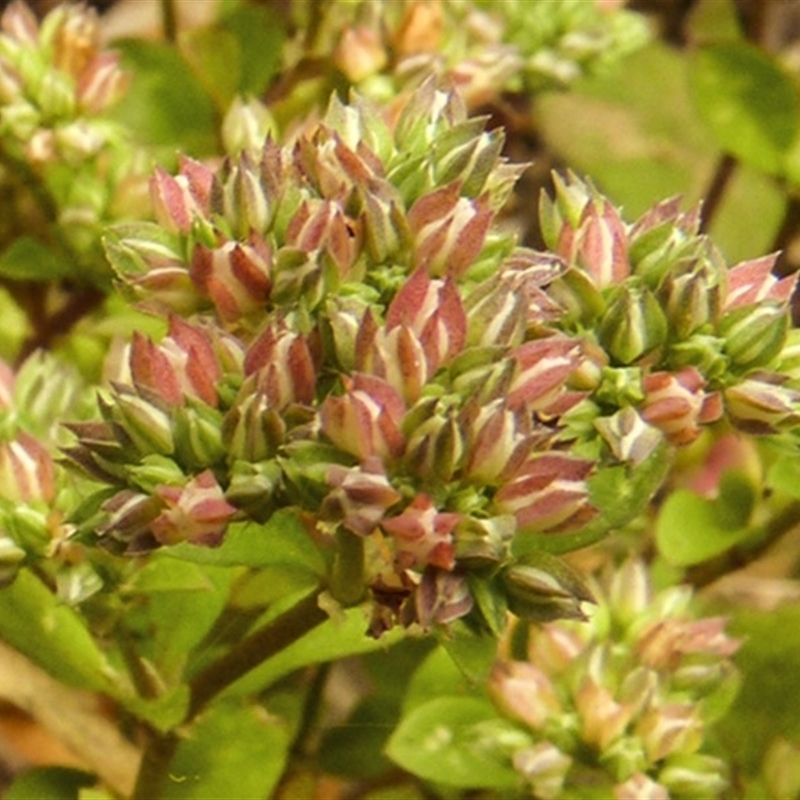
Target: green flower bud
251, 430
483, 542
691, 300
542, 588
577, 294
11, 558
253, 487
754, 334
697, 776
781, 769
20, 119
704, 352
245, 126
435, 448
633, 325
148, 426
620, 386
55, 96
77, 583
628, 435
153, 471
197, 435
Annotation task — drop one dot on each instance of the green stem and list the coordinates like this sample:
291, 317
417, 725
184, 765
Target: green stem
254, 650
154, 768
347, 578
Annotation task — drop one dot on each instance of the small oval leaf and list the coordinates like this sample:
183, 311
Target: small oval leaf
748, 102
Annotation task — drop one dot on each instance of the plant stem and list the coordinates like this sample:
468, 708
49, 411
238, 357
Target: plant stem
737, 558
254, 650
46, 329
206, 685
347, 579
713, 195
154, 769
169, 20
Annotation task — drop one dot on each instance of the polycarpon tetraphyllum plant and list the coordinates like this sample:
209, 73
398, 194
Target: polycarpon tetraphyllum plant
352, 337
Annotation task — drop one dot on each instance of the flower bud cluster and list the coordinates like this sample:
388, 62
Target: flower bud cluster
482, 47
676, 338
55, 81
36, 493
626, 698
348, 355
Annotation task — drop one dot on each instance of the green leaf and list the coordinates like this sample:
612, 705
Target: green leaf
162, 574
458, 741
165, 104
355, 748
49, 783
235, 751
473, 652
691, 529
54, 636
281, 541
747, 100
438, 676
173, 623
260, 34
784, 475
215, 59
27, 259
768, 702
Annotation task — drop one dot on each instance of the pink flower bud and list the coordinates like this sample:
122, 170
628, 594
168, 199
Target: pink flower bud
543, 367
544, 768
322, 224
6, 386
664, 644
235, 276
640, 787
677, 405
184, 364
365, 420
434, 311
20, 23
600, 243
669, 729
603, 718
548, 493
761, 404
129, 516
523, 692
283, 367
178, 200
441, 598
102, 83
448, 230
360, 53
498, 443
753, 282
27, 471
397, 356
197, 512
423, 535
360, 497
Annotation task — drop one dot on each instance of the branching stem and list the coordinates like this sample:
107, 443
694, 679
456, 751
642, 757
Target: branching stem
251, 651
